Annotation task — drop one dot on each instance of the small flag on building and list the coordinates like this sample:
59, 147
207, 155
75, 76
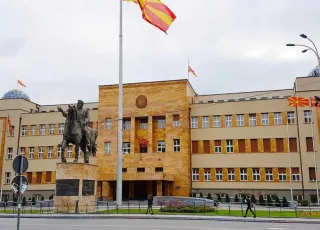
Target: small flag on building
10, 125
190, 70
21, 83
156, 13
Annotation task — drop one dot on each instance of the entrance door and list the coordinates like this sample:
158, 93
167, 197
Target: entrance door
140, 190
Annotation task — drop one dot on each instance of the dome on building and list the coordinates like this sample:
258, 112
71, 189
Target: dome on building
315, 72
16, 94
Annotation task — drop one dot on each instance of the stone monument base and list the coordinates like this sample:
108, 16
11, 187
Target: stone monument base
75, 187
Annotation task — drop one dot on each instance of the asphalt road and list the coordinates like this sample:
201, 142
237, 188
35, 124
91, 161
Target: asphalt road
78, 224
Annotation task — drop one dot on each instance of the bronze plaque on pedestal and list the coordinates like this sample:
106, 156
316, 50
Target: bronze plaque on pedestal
67, 187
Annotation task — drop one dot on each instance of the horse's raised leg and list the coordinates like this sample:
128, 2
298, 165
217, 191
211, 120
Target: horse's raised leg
76, 156
86, 154
64, 145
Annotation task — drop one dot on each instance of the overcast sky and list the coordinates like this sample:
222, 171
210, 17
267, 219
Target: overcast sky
63, 49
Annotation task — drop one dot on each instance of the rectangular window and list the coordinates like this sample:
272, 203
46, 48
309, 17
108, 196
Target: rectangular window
8, 177
277, 118
42, 130
159, 169
107, 147
40, 152
161, 123
312, 174
48, 177
242, 146
194, 122
108, 123
126, 147
267, 145
141, 169
240, 120
219, 175
31, 152
51, 129
195, 147
176, 145
207, 175
217, 146
22, 150
228, 121
229, 146
143, 123
39, 177
205, 122
295, 172
256, 174
10, 154
243, 174
254, 145
309, 143
279, 145
161, 146
195, 175
127, 124
293, 144
307, 116
216, 121
24, 130
265, 118
231, 175
90, 125
143, 148
59, 151
176, 120
124, 170
69, 151
29, 177
61, 128
206, 146
252, 119
291, 117
282, 174
50, 152
33, 130
269, 174
11, 134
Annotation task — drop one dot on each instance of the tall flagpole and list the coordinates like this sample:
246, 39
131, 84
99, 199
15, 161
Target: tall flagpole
120, 105
188, 69
314, 151
289, 153
3, 158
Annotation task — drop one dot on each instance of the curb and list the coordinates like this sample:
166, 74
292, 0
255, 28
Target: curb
164, 217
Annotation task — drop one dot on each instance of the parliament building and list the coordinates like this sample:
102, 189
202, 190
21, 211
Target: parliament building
175, 142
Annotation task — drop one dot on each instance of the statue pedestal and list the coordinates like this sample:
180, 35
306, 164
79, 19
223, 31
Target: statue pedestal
76, 185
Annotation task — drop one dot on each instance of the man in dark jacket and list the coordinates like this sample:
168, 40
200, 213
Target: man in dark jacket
150, 203
248, 201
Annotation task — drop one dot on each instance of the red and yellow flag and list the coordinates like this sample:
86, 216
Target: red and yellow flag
298, 101
20, 83
190, 70
156, 13
10, 125
314, 101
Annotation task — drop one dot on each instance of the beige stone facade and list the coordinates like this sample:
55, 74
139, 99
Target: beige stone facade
176, 142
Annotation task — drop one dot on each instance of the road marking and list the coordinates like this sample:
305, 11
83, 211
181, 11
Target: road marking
276, 228
126, 226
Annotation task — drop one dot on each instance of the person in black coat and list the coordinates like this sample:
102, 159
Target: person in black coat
150, 203
248, 201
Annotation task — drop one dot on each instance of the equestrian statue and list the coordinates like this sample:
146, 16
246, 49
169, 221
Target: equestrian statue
77, 132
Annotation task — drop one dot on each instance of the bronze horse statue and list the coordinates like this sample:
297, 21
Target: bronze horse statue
73, 135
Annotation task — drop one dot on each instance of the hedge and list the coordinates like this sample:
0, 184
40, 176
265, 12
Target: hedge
187, 209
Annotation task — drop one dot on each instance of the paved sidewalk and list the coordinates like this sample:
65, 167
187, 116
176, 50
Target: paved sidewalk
164, 217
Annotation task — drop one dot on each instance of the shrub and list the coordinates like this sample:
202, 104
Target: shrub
15, 200
187, 209
269, 200
33, 200
277, 201
261, 200
253, 199
194, 194
236, 198
42, 198
51, 196
201, 195
24, 201
313, 198
219, 197
209, 197
6, 200
227, 198
304, 202
285, 202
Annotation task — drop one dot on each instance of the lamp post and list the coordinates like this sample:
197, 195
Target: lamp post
315, 50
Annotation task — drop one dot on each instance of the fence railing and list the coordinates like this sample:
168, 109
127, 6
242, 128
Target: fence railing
168, 208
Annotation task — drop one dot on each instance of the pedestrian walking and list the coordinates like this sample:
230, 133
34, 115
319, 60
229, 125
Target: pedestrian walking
150, 203
249, 206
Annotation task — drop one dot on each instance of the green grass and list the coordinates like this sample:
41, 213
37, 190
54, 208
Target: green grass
10, 210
